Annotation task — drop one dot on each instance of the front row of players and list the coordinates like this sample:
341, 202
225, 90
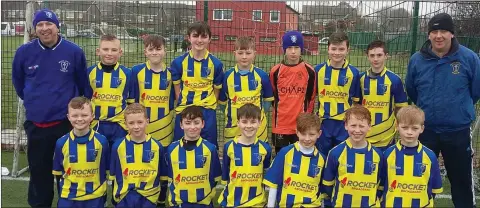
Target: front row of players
354, 174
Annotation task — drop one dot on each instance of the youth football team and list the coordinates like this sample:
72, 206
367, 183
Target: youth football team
152, 129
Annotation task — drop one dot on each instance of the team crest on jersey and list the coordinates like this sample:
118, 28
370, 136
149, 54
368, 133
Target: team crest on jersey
384, 87
422, 167
258, 157
293, 38
345, 80
207, 71
64, 65
151, 155
254, 83
316, 169
456, 67
373, 166
118, 80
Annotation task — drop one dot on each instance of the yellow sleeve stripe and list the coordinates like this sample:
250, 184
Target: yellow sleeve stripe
219, 178
224, 182
270, 184
380, 188
217, 86
356, 99
437, 191
222, 102
401, 104
112, 177
163, 178
268, 99
54, 172
176, 82
130, 101
328, 183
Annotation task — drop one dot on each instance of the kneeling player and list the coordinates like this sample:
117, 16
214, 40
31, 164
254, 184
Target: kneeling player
410, 172
193, 164
244, 160
351, 176
137, 163
81, 160
295, 175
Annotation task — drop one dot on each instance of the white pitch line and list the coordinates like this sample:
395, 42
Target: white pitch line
9, 178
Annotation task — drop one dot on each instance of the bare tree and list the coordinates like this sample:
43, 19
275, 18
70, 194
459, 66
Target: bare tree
394, 19
467, 18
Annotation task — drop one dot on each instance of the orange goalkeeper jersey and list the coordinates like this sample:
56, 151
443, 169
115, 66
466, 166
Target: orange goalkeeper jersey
294, 92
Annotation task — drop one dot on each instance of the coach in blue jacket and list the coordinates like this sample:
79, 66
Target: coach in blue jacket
443, 79
47, 72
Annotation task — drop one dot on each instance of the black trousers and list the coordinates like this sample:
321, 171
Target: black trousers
457, 155
41, 145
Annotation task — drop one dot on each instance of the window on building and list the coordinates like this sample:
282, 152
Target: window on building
257, 15
80, 15
11, 13
230, 38
274, 16
70, 15
215, 37
268, 39
22, 14
140, 18
222, 14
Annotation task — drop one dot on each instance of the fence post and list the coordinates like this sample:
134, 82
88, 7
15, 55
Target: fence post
414, 30
205, 11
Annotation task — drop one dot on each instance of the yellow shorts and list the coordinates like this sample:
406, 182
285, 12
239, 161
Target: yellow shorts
162, 129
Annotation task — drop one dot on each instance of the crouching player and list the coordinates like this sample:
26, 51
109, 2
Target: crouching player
410, 173
193, 164
244, 160
295, 175
351, 176
137, 163
81, 160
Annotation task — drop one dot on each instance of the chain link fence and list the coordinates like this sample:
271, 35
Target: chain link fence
402, 24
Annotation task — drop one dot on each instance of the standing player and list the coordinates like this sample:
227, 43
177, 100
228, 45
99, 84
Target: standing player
338, 87
193, 164
352, 175
382, 94
197, 78
47, 73
443, 79
81, 160
244, 160
243, 84
137, 163
410, 174
109, 89
296, 172
152, 87
293, 83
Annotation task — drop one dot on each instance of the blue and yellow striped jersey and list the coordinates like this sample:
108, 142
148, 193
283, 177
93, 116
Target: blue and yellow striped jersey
352, 176
242, 172
137, 167
192, 174
381, 95
410, 176
337, 89
238, 90
297, 177
154, 90
197, 79
83, 163
110, 93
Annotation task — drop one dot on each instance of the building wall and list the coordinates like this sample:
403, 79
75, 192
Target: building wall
267, 34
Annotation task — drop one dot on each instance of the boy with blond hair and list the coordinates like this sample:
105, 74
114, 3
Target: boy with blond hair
245, 83
244, 160
296, 172
410, 173
110, 89
352, 173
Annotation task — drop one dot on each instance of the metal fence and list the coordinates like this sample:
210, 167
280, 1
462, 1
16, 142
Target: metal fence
402, 24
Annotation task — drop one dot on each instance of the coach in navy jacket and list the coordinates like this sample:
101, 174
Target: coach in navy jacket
443, 79
47, 72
